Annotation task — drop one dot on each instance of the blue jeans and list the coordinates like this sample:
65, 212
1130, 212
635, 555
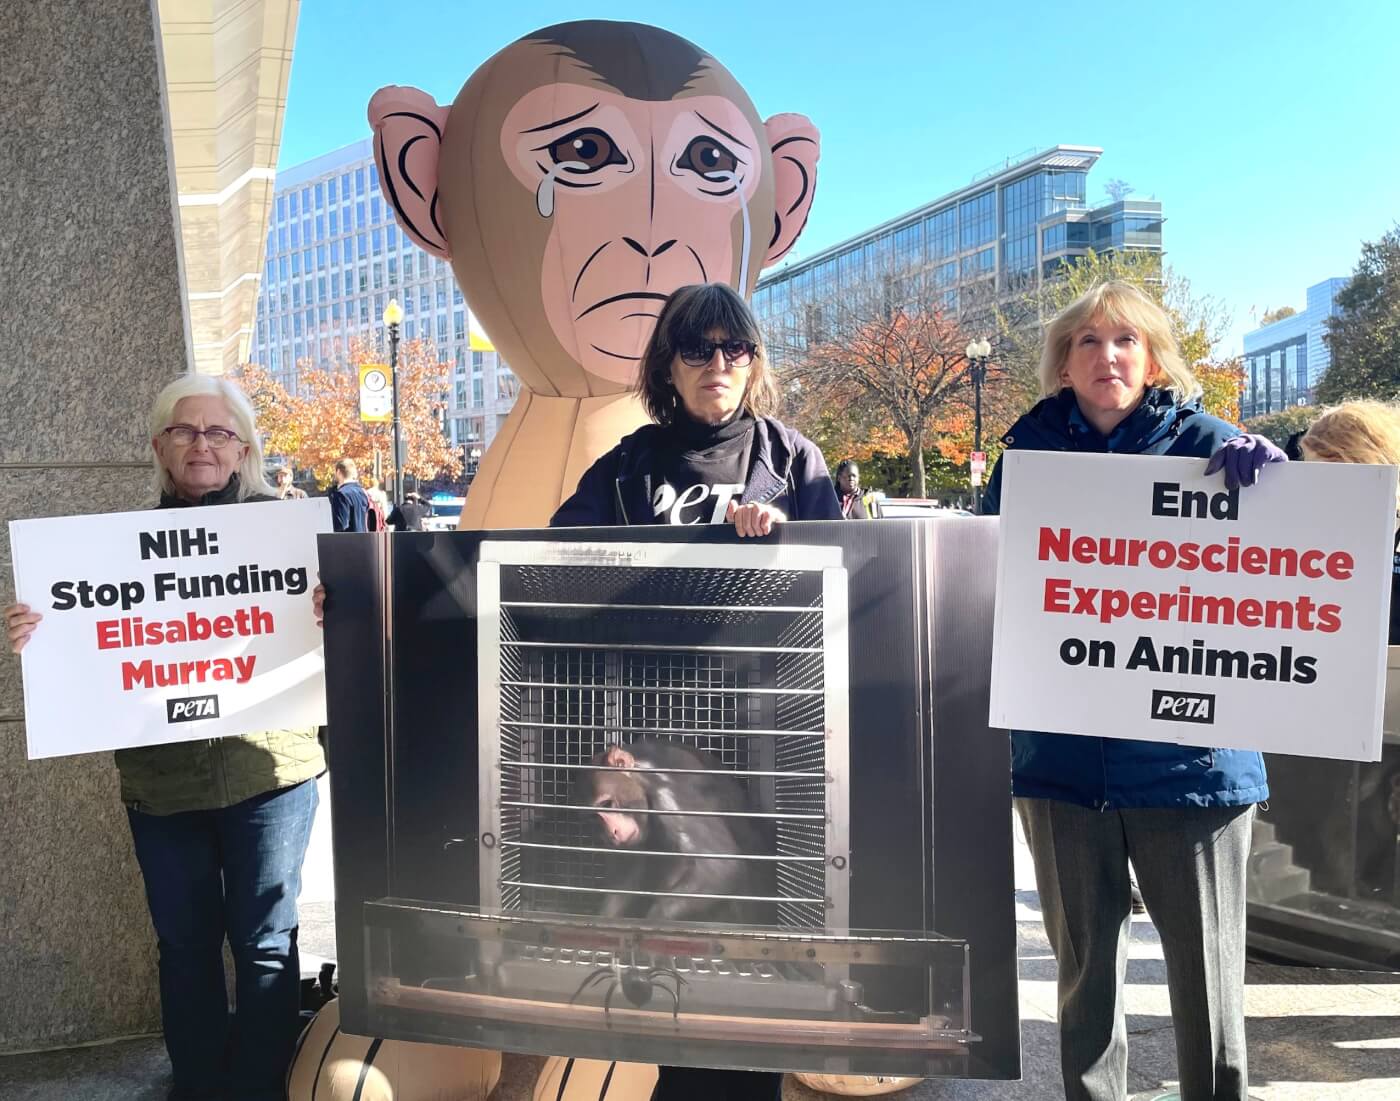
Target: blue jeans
236, 872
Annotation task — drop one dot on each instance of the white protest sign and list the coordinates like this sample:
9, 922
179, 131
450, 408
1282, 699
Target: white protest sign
1137, 598
170, 625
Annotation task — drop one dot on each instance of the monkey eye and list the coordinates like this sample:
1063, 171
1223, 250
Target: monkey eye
705, 156
589, 146
605, 802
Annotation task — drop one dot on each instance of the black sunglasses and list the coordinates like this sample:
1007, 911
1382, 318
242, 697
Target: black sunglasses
737, 353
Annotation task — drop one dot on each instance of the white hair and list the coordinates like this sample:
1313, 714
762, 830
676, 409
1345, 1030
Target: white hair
251, 480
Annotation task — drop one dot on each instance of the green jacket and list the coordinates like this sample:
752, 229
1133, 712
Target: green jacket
216, 772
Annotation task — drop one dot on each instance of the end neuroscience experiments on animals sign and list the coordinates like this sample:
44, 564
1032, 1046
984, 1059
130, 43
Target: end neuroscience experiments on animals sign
170, 625
1137, 598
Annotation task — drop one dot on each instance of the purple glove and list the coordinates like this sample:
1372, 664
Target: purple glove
1242, 458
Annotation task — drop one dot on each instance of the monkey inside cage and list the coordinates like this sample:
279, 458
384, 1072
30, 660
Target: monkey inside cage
708, 657
643, 833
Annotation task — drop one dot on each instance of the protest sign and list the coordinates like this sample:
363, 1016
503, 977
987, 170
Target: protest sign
170, 625
1137, 598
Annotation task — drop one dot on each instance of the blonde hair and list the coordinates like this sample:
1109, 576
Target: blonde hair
1355, 432
1118, 303
251, 480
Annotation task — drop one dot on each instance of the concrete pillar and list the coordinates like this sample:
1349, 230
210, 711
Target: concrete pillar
92, 325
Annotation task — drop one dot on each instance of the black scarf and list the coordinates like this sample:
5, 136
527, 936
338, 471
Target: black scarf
701, 468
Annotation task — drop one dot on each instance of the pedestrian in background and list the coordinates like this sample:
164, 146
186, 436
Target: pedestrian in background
853, 505
408, 516
378, 503
285, 490
1114, 382
349, 502
220, 826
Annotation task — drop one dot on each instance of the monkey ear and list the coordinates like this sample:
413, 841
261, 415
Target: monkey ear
408, 127
619, 758
796, 146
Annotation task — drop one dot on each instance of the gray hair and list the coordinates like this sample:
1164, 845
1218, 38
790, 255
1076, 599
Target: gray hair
251, 480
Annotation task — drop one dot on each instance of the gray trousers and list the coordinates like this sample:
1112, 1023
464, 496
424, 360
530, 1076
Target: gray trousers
1190, 865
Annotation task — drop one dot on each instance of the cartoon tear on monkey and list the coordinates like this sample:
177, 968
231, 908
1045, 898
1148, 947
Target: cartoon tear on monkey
581, 175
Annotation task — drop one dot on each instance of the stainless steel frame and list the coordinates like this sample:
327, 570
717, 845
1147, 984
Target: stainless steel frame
704, 693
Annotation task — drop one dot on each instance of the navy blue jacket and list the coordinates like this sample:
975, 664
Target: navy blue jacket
786, 471
1116, 772
349, 507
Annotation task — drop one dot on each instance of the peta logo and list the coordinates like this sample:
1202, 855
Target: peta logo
1183, 707
191, 708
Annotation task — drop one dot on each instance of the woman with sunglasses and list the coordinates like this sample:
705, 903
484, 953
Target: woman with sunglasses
716, 454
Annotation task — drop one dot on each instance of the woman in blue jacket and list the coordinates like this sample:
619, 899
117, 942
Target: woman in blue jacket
1115, 383
716, 454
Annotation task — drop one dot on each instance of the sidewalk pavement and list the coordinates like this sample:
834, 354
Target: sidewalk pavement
1314, 1035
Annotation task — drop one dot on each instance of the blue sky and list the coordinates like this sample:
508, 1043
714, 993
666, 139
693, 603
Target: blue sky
1266, 129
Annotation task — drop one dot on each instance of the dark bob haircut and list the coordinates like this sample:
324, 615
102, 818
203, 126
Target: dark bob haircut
690, 314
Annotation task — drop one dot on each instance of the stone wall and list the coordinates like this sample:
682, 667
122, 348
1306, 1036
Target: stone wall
92, 325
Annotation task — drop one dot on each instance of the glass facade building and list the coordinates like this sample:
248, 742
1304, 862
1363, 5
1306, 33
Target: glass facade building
1284, 361
996, 238
334, 258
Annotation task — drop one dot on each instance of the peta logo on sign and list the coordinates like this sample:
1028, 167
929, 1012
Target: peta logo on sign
191, 708
1183, 707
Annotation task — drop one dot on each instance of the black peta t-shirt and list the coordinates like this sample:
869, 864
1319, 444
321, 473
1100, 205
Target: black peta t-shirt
705, 467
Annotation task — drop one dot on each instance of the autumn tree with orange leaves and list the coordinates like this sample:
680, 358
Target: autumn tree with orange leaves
884, 377
320, 424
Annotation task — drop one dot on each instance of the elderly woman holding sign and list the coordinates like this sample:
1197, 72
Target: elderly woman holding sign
220, 826
1114, 382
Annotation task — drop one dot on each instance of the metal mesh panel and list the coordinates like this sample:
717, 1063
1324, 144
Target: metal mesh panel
724, 660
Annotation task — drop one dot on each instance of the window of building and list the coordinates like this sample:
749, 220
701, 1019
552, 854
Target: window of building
282, 208
1055, 238
376, 210
377, 237
941, 233
393, 236
296, 235
360, 215
378, 276
362, 244
359, 181
335, 311
320, 196
459, 325
979, 264
478, 392
374, 177
422, 265
410, 328
460, 392
320, 226
296, 264
456, 295
442, 328
292, 209
478, 362
364, 279
977, 220
364, 311
334, 221
425, 299
507, 385
909, 246
330, 189
320, 288
393, 270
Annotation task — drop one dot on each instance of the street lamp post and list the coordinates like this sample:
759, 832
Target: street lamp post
393, 314
977, 353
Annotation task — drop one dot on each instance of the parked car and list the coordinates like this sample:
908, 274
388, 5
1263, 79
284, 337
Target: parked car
446, 510
916, 507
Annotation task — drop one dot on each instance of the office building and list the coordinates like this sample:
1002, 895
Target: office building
992, 240
334, 259
1284, 360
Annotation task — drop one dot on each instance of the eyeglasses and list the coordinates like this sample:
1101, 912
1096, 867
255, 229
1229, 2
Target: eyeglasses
184, 435
737, 353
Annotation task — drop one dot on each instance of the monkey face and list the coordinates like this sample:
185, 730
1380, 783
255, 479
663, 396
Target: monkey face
617, 796
642, 198
582, 175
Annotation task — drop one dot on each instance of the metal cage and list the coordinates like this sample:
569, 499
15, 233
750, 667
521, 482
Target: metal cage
587, 645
